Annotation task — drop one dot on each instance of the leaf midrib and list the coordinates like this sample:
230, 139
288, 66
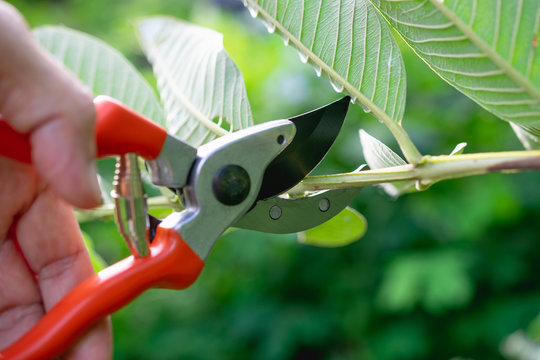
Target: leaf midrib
331, 72
491, 53
209, 124
409, 149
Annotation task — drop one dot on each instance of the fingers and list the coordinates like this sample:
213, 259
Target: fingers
39, 96
50, 240
96, 344
49, 236
64, 155
18, 184
20, 299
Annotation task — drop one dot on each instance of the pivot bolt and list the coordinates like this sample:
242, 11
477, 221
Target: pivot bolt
275, 212
324, 205
231, 184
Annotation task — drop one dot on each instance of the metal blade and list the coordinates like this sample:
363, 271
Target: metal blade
315, 134
282, 216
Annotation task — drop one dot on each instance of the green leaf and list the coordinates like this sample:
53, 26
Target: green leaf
529, 140
201, 88
348, 42
98, 263
103, 69
379, 156
486, 49
459, 149
343, 229
436, 279
106, 189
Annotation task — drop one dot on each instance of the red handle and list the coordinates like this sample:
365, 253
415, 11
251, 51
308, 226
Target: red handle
119, 130
13, 144
171, 264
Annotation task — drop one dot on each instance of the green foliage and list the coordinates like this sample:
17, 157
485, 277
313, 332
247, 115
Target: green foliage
353, 47
487, 50
266, 297
342, 40
436, 280
102, 68
97, 261
380, 156
200, 86
343, 229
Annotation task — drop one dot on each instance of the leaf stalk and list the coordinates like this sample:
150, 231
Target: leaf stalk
431, 170
107, 210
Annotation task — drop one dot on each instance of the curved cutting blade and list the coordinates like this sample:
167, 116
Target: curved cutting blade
315, 134
279, 215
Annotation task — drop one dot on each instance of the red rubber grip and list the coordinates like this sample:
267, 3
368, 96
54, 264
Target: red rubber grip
119, 130
13, 144
171, 264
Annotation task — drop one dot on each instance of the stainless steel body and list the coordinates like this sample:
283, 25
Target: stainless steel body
205, 216
235, 180
171, 168
282, 215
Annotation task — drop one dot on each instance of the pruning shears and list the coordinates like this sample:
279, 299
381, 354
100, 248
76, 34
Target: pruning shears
233, 181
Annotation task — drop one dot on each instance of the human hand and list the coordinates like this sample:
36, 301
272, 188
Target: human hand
42, 255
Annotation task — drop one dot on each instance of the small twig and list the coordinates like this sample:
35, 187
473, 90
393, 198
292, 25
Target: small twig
431, 170
158, 202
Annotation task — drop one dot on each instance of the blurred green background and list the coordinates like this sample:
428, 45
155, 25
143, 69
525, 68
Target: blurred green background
450, 273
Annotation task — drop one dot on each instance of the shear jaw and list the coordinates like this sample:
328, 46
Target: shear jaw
224, 182
171, 167
282, 215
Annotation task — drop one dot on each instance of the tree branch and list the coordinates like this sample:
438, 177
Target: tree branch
431, 170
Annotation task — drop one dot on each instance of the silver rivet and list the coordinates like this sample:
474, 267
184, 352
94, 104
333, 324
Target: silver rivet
324, 205
275, 212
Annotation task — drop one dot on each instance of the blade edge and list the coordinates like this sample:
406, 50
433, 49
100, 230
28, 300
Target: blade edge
316, 132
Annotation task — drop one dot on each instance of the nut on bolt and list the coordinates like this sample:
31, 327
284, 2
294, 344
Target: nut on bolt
231, 184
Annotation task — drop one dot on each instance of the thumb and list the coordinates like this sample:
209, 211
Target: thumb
38, 96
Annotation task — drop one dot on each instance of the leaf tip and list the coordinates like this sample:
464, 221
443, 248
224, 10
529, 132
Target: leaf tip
343, 229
